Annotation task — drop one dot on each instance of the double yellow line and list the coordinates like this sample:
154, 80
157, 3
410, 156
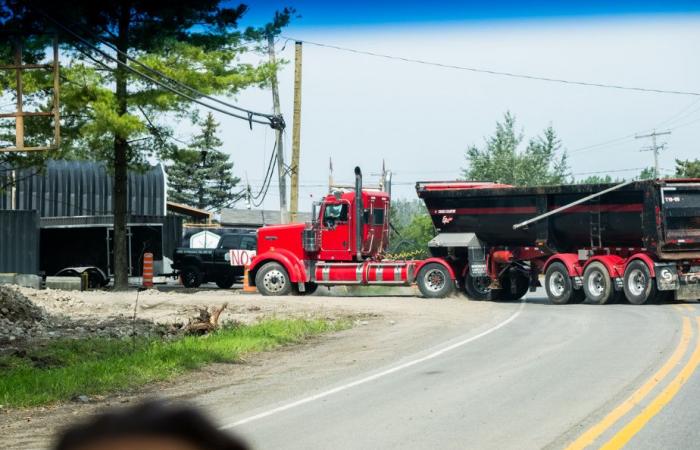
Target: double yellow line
623, 436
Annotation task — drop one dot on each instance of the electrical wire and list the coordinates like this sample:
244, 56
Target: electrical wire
496, 72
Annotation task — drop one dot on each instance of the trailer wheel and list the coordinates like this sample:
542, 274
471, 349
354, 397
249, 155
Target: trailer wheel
477, 288
273, 279
638, 284
522, 284
434, 281
191, 277
559, 287
597, 283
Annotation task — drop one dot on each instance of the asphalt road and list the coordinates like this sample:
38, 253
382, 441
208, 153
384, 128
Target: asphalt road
533, 376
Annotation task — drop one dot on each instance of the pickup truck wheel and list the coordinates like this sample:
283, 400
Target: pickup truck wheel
191, 277
597, 283
477, 288
434, 281
559, 287
272, 279
638, 284
225, 281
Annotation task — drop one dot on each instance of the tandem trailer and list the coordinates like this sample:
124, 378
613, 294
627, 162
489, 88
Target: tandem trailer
638, 240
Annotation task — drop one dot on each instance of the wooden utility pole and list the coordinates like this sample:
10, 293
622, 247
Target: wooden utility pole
284, 218
654, 147
296, 133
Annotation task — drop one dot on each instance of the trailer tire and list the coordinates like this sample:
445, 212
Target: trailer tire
597, 284
638, 283
522, 284
191, 277
559, 287
434, 281
477, 288
272, 279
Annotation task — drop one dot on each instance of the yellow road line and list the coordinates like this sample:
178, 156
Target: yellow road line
688, 307
656, 405
637, 396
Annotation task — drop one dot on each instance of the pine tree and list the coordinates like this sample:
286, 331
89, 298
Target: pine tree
201, 175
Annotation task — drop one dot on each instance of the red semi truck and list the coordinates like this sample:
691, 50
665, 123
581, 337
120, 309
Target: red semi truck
638, 240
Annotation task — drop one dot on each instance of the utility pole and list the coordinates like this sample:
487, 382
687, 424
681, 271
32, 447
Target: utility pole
296, 132
284, 218
654, 147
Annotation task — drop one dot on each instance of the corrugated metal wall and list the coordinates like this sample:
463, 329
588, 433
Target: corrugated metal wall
82, 188
19, 242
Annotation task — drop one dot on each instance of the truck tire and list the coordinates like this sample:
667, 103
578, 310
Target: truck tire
477, 288
522, 284
434, 281
273, 279
191, 277
559, 287
638, 283
597, 283
225, 281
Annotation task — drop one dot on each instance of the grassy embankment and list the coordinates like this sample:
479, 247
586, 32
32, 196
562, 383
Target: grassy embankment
64, 369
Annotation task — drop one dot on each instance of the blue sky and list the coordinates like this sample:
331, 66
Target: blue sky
349, 13
358, 109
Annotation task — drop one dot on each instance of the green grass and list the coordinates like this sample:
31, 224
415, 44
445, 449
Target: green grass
65, 368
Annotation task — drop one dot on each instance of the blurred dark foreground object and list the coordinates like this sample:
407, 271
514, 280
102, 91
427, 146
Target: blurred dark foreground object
153, 425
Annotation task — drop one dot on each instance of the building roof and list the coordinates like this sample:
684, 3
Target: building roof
255, 217
188, 211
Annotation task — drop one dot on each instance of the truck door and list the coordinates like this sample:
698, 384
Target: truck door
221, 252
335, 231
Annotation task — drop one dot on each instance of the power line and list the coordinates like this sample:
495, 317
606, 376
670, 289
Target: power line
496, 72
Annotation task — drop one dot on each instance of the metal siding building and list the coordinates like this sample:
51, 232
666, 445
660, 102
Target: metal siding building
19, 241
82, 188
71, 203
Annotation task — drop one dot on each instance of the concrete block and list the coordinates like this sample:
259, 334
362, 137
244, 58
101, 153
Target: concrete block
63, 283
7, 278
27, 280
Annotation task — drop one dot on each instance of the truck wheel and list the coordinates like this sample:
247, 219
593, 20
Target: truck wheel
477, 288
638, 284
522, 284
434, 281
272, 279
559, 287
597, 283
191, 277
225, 282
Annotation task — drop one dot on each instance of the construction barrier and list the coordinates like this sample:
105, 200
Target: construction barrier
246, 285
148, 270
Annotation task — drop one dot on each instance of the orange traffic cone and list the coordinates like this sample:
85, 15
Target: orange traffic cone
246, 285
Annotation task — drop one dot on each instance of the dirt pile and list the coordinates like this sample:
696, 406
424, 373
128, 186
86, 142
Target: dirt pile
22, 321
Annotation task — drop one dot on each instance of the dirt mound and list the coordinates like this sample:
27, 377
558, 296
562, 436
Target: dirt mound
15, 307
22, 321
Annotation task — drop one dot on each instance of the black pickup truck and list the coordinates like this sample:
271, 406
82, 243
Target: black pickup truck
202, 265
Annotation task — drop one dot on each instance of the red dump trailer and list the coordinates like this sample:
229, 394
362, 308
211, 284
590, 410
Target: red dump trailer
638, 240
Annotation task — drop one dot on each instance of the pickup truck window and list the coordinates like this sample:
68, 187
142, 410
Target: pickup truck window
248, 243
230, 241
